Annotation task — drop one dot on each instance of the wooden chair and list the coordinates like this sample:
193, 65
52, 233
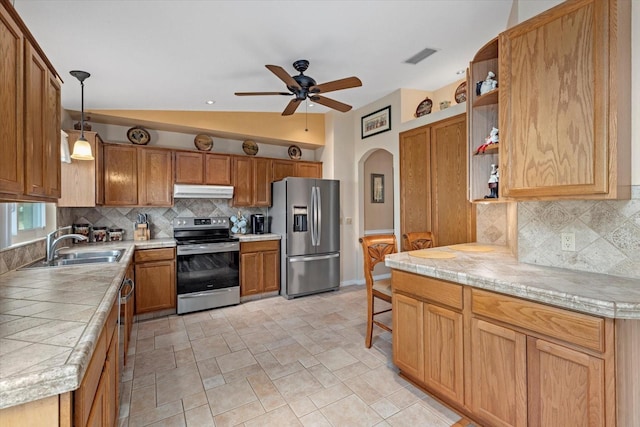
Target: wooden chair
418, 240
375, 248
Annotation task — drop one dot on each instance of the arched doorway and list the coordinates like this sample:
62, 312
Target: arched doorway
377, 193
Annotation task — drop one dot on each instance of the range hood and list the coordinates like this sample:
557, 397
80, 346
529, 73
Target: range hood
182, 191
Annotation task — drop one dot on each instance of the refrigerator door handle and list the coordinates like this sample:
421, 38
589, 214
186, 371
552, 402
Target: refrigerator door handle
318, 216
312, 217
312, 258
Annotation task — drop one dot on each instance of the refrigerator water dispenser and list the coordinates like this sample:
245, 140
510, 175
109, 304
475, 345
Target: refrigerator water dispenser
299, 218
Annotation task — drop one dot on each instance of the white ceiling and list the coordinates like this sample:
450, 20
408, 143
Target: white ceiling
175, 55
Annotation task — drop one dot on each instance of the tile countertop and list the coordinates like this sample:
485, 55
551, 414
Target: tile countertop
499, 271
50, 319
257, 237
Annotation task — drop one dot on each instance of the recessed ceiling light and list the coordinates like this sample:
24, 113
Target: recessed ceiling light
461, 71
211, 101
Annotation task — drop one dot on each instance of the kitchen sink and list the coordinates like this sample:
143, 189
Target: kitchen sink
79, 258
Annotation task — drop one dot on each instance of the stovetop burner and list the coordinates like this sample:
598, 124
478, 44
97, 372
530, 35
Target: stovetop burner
201, 230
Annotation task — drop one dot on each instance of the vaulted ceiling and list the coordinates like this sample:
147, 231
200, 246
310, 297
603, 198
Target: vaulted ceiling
176, 55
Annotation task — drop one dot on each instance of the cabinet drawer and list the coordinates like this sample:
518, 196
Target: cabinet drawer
576, 328
260, 246
434, 290
145, 255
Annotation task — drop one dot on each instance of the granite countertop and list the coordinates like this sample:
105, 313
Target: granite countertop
257, 237
50, 319
499, 271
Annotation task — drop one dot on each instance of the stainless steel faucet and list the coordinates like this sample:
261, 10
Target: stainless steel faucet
53, 242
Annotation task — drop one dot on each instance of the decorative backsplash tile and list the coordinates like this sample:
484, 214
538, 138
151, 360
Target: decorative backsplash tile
491, 223
607, 235
160, 219
17, 256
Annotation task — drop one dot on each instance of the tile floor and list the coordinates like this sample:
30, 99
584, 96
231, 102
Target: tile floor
271, 362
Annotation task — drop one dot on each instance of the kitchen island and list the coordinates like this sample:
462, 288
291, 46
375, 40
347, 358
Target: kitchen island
508, 343
50, 322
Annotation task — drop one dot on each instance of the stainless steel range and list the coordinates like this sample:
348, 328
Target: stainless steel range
208, 257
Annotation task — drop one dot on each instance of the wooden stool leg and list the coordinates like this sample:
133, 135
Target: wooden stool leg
370, 311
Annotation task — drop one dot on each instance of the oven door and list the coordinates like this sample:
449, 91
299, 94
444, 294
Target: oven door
207, 267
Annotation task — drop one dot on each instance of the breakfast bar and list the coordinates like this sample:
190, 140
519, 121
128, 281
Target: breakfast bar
500, 340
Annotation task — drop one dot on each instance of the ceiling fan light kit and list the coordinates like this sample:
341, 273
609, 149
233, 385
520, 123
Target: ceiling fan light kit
304, 87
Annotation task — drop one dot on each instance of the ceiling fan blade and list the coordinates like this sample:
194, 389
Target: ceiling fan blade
283, 75
262, 93
292, 106
347, 83
331, 103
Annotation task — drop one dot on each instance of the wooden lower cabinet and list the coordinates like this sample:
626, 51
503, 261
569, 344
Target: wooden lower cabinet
498, 374
259, 267
155, 277
565, 386
95, 402
505, 361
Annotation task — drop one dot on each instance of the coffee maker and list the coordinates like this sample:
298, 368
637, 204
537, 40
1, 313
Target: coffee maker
258, 224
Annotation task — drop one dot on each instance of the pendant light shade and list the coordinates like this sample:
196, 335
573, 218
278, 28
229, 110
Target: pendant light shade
81, 148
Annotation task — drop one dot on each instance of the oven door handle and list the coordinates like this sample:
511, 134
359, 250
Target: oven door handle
207, 249
125, 298
205, 293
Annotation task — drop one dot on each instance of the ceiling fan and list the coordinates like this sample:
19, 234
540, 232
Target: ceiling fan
304, 87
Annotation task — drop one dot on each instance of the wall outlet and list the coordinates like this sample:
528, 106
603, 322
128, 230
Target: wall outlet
568, 242
349, 220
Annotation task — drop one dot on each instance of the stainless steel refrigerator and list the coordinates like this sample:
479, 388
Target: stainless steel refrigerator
306, 212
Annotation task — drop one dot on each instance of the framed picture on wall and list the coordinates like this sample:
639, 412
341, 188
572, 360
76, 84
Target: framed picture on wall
377, 188
376, 122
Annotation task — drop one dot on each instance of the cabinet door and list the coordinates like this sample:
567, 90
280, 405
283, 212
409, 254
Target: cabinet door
155, 183
217, 169
443, 359
242, 181
155, 286
498, 374
271, 271
415, 181
11, 105
261, 182
566, 387
451, 220
309, 170
282, 169
408, 352
52, 113
250, 273
112, 383
189, 168
120, 175
36, 79
81, 179
98, 414
554, 96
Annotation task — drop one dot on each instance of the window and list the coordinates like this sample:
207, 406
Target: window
23, 222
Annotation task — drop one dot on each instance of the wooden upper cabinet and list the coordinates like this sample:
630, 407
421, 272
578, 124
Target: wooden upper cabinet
309, 169
282, 169
11, 105
261, 182
120, 175
189, 167
53, 111
242, 181
83, 180
217, 169
564, 103
155, 172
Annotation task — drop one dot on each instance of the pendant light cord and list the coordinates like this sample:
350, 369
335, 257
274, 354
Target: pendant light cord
82, 110
306, 116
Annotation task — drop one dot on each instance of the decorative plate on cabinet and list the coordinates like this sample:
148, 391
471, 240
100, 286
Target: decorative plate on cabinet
424, 107
138, 136
294, 152
203, 142
461, 93
250, 147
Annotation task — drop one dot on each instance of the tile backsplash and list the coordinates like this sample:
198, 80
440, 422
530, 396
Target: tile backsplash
607, 235
160, 218
17, 256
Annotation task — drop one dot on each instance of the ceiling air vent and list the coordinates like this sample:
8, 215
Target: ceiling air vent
423, 54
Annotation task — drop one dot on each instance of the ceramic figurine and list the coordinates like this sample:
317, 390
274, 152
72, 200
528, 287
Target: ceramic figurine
493, 138
489, 84
494, 179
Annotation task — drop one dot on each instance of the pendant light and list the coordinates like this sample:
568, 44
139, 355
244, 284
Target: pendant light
81, 148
